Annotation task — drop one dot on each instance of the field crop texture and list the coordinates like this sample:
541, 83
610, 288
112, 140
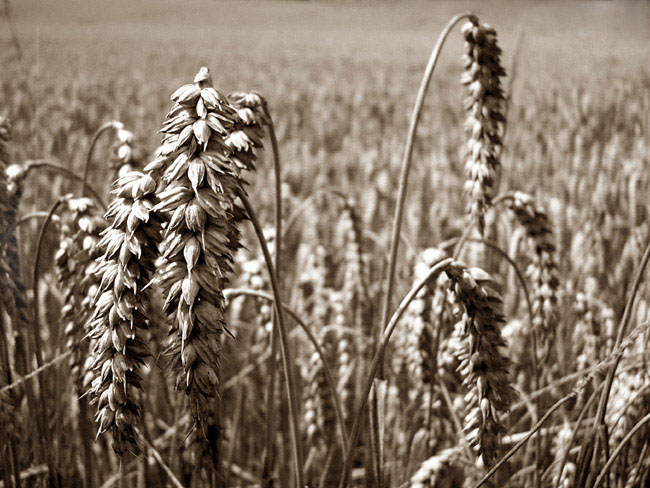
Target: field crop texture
266, 243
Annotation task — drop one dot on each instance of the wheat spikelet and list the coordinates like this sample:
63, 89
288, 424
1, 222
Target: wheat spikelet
319, 414
316, 283
205, 148
345, 352
120, 315
543, 271
484, 106
483, 366
125, 154
355, 279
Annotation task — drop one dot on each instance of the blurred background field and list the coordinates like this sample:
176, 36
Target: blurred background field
341, 76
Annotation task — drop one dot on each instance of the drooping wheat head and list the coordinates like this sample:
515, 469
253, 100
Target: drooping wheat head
485, 114
205, 149
121, 309
484, 366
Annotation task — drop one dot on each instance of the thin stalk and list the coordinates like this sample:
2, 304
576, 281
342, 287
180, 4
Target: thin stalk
284, 344
36, 329
377, 359
17, 223
270, 390
63, 171
526, 438
406, 166
338, 409
619, 449
113, 124
627, 314
574, 434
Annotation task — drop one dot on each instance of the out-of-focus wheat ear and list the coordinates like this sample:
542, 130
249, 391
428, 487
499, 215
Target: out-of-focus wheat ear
126, 154
484, 106
443, 469
206, 147
345, 353
319, 412
629, 404
559, 451
81, 227
316, 283
355, 281
543, 270
120, 316
484, 366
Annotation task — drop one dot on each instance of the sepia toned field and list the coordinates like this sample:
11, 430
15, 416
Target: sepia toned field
493, 332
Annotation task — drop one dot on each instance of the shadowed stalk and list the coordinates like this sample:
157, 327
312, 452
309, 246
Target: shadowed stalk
270, 391
611, 372
619, 449
113, 124
284, 344
36, 329
378, 358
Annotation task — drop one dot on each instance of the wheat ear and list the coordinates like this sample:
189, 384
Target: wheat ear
121, 310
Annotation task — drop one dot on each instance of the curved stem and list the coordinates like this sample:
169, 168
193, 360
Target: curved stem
406, 166
574, 435
284, 343
619, 449
22, 220
63, 171
35, 270
36, 329
338, 410
377, 359
113, 124
270, 389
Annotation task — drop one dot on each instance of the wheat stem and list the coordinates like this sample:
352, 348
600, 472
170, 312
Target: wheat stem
113, 124
63, 171
232, 293
270, 391
619, 449
284, 343
627, 314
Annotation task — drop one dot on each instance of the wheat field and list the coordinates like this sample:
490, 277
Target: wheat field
340, 243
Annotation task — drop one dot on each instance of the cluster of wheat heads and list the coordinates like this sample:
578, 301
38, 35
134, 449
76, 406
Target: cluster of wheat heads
328, 382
